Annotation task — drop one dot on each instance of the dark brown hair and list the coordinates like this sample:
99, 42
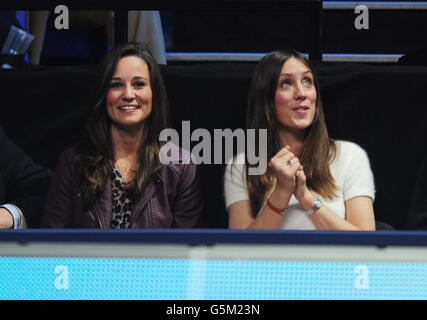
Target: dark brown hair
94, 153
318, 149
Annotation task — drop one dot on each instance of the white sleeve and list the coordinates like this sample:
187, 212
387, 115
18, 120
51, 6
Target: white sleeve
359, 179
235, 187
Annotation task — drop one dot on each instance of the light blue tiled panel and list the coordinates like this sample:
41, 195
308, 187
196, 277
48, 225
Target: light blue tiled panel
142, 278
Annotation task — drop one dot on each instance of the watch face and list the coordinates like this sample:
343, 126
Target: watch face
317, 205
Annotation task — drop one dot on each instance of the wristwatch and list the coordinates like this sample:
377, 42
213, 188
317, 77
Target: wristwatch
317, 205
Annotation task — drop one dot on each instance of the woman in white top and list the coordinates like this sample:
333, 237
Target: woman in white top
312, 181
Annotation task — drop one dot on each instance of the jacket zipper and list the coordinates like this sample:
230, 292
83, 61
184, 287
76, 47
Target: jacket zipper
94, 219
91, 215
150, 221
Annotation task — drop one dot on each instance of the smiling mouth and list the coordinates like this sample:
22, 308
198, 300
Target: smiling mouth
129, 108
301, 111
301, 108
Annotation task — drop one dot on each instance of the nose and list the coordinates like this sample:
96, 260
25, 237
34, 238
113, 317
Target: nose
300, 91
128, 93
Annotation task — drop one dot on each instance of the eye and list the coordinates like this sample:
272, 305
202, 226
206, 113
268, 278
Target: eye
115, 85
308, 82
285, 83
139, 84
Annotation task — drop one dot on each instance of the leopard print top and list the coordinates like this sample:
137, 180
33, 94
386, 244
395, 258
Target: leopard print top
122, 205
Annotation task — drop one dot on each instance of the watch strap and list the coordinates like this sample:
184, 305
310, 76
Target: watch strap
317, 205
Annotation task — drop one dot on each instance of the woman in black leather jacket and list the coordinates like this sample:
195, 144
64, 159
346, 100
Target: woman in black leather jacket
113, 178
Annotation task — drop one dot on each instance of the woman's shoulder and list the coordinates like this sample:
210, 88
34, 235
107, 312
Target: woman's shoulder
68, 153
349, 149
65, 170
176, 161
349, 155
171, 154
239, 158
235, 168
66, 157
177, 166
66, 164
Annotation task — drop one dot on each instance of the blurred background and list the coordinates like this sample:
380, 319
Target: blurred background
235, 32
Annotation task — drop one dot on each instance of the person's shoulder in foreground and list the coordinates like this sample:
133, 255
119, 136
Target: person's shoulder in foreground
23, 184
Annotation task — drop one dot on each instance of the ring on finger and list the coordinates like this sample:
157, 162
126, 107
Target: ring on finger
289, 163
297, 173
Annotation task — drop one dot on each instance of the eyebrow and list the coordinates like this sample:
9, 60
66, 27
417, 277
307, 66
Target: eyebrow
290, 74
134, 78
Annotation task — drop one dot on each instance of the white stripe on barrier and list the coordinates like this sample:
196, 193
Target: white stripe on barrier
253, 57
413, 5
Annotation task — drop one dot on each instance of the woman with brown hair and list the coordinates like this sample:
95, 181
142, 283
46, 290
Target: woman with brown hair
312, 181
114, 177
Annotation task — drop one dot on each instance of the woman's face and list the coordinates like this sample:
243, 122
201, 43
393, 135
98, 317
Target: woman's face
129, 99
295, 95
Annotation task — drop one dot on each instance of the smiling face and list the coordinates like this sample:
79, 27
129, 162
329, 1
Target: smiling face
296, 95
129, 99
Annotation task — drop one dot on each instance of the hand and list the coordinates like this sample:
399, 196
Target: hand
302, 193
6, 219
285, 165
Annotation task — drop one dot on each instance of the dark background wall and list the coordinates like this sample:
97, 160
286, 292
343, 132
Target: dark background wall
380, 106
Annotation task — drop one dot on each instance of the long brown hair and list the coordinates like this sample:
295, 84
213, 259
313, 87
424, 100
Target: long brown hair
318, 149
94, 153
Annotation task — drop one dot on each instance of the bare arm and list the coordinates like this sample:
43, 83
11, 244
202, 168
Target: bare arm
284, 165
359, 212
359, 216
240, 214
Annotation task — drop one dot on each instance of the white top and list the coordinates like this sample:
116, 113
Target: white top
350, 169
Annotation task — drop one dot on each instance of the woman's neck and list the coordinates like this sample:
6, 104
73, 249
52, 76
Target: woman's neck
126, 143
295, 140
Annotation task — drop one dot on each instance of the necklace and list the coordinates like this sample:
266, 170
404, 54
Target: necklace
125, 169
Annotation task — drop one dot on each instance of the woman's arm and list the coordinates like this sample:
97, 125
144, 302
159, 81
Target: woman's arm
58, 208
26, 183
359, 209
240, 214
359, 214
6, 219
188, 205
284, 166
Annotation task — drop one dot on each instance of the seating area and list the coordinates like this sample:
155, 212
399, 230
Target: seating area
380, 107
372, 80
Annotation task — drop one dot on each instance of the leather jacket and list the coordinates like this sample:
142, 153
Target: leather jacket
172, 199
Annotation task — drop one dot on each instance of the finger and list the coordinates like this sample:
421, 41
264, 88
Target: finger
300, 169
300, 174
288, 159
300, 182
281, 152
295, 167
281, 158
288, 169
286, 154
290, 162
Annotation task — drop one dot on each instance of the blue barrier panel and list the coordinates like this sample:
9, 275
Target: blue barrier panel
212, 265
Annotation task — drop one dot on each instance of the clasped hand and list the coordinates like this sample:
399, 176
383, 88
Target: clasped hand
290, 176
